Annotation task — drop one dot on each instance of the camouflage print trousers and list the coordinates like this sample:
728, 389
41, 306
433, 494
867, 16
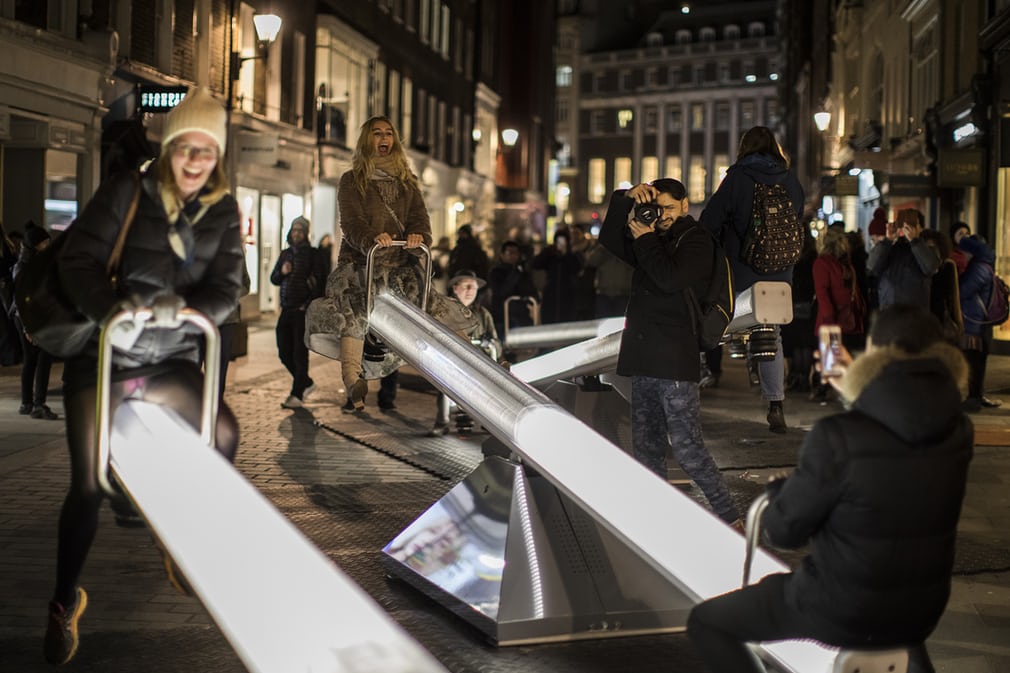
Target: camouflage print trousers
667, 413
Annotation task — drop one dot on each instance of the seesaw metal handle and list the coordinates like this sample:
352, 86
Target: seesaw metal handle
534, 312
167, 312
752, 531
370, 269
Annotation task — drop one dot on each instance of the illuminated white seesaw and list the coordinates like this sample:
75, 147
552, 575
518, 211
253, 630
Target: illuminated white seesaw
690, 548
591, 346
280, 602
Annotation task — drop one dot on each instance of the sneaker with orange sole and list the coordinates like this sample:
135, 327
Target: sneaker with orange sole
61, 633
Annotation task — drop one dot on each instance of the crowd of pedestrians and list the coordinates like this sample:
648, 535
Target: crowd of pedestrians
647, 270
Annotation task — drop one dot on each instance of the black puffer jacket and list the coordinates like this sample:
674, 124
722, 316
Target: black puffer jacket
659, 339
306, 280
211, 283
878, 491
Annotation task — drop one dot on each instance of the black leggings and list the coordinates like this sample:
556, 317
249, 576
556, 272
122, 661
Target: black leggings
180, 389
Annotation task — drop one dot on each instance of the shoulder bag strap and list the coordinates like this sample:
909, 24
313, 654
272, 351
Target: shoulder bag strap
112, 266
392, 213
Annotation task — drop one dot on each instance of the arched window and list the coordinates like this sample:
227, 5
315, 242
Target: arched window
731, 32
654, 39
683, 36
756, 29
706, 34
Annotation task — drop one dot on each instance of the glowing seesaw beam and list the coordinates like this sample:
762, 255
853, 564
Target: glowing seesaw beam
593, 356
280, 602
561, 334
689, 545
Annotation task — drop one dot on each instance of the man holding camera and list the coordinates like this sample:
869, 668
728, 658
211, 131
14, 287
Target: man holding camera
648, 227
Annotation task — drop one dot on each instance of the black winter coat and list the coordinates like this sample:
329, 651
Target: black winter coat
904, 270
659, 339
878, 492
307, 278
211, 283
727, 215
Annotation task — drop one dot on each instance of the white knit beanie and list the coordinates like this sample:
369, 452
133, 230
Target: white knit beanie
198, 111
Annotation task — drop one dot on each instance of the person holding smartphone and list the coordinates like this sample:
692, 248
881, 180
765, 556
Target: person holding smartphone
876, 494
903, 263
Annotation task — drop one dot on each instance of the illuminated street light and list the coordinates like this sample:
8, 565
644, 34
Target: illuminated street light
509, 137
822, 120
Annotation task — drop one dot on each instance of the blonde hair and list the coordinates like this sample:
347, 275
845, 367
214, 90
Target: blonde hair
217, 183
834, 242
363, 165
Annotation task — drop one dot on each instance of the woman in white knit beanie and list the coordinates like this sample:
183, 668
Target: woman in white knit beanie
184, 240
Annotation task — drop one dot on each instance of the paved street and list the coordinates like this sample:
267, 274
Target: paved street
353, 486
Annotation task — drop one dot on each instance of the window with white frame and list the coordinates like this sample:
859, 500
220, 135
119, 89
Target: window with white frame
446, 23
563, 76
342, 63
408, 111
722, 115
652, 76
747, 118
596, 186
696, 179
673, 76
625, 117
673, 168
674, 118
424, 24
683, 36
561, 110
622, 173
721, 161
651, 118
697, 116
731, 32
755, 29
650, 169
925, 73
627, 80
706, 34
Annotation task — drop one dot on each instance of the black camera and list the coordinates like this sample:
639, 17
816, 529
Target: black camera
647, 213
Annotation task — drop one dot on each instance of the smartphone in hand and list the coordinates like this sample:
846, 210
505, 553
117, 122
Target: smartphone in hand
830, 349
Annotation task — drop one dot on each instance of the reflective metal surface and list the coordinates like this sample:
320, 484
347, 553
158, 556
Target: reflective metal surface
590, 357
692, 553
509, 554
561, 334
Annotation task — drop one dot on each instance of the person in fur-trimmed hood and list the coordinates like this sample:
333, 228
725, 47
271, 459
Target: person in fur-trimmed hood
877, 493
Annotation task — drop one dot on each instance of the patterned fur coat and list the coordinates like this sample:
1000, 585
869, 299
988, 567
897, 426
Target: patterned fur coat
387, 206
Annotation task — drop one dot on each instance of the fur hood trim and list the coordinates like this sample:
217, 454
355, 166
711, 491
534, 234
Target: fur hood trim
867, 367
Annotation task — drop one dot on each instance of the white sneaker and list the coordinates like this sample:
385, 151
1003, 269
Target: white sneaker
292, 403
308, 391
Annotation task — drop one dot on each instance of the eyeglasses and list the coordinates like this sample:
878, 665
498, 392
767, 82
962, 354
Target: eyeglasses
194, 153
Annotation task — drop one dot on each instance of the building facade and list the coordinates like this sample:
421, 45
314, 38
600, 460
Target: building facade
673, 103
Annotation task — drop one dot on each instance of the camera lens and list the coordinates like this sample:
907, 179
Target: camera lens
647, 213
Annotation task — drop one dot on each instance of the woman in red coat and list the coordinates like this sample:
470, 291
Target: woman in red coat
839, 301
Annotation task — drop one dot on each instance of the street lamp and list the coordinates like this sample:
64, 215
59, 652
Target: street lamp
267, 27
822, 120
509, 137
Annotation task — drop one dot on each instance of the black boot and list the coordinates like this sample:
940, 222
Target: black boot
776, 418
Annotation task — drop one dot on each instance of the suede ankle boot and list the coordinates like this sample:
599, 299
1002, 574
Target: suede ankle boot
350, 369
